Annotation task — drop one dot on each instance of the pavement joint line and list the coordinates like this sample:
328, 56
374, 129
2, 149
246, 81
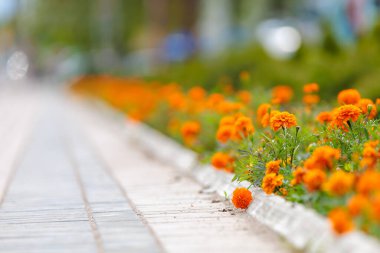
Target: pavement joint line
31, 188
90, 215
139, 214
21, 150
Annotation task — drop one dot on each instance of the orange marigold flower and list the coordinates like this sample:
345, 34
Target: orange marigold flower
243, 127
262, 111
368, 182
325, 117
323, 157
214, 100
272, 167
343, 114
357, 204
281, 94
370, 157
284, 191
229, 107
375, 207
349, 96
197, 93
340, 220
339, 183
313, 179
377, 101
244, 96
282, 120
297, 176
368, 107
177, 101
265, 121
222, 161
241, 198
372, 144
227, 121
190, 130
224, 133
310, 99
310, 88
271, 181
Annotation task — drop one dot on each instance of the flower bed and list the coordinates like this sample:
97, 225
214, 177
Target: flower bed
330, 164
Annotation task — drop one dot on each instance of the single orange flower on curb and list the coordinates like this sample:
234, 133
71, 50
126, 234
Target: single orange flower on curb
241, 198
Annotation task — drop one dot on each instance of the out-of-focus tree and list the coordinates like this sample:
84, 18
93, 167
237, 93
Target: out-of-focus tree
63, 23
86, 24
115, 22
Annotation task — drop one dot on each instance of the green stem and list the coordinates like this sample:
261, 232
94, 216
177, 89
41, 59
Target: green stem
286, 145
294, 146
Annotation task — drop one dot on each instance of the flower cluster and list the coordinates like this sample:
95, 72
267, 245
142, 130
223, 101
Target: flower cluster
234, 128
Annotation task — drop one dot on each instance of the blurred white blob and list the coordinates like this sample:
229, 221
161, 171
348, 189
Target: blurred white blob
17, 65
280, 41
286, 39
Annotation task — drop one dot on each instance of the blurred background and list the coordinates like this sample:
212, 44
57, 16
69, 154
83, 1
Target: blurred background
196, 42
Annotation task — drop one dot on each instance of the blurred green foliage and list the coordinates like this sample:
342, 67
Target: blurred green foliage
332, 66
86, 24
